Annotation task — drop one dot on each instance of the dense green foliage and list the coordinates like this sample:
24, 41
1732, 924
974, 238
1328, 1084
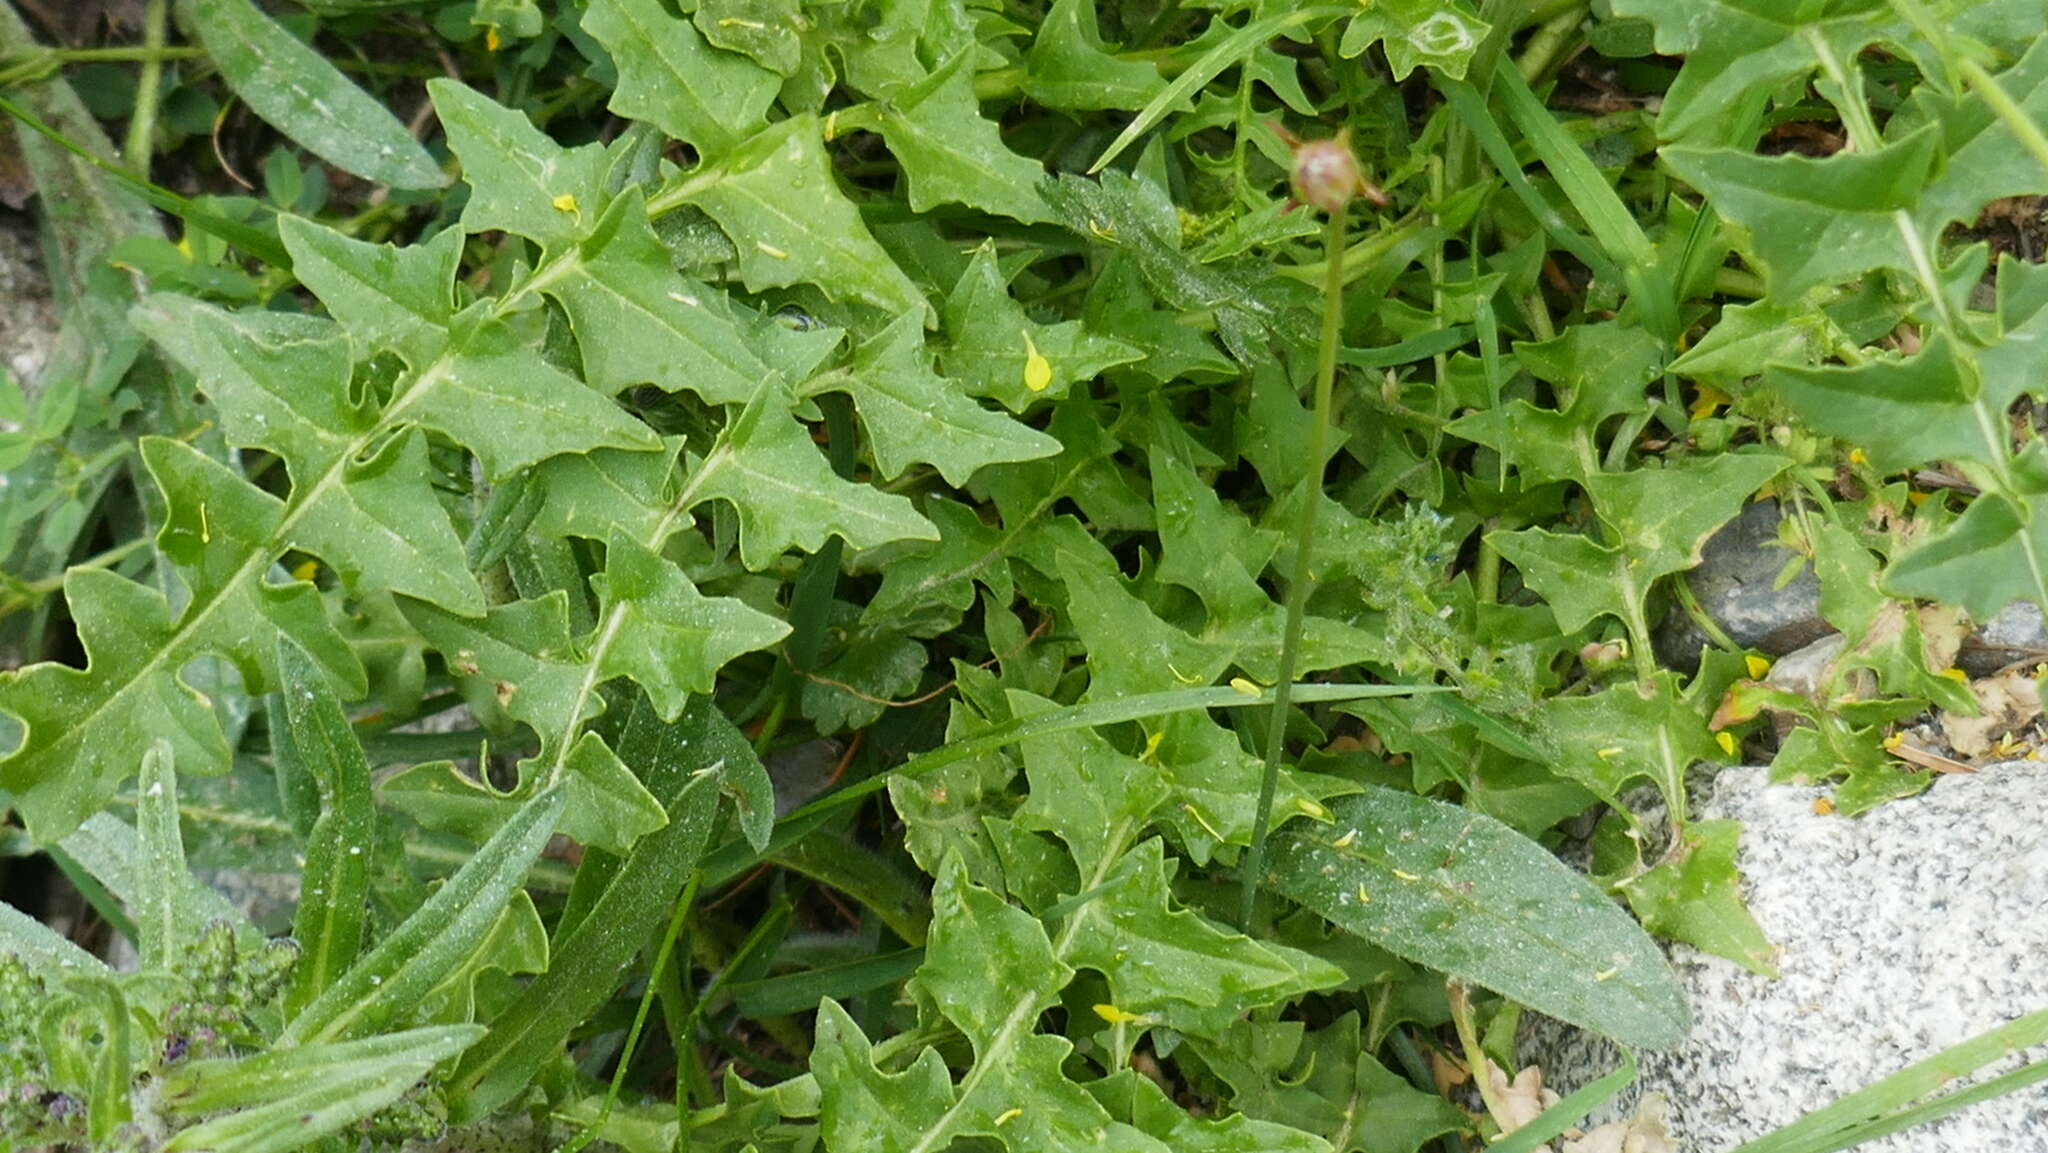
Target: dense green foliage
676, 396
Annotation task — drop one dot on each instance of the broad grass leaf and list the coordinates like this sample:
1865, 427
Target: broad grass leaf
161, 854
387, 984
683, 770
1466, 895
302, 1094
312, 739
304, 96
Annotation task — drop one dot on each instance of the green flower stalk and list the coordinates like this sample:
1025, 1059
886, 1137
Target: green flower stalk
1326, 176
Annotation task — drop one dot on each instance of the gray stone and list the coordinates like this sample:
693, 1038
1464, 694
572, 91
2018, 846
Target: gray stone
1899, 933
2014, 633
1733, 583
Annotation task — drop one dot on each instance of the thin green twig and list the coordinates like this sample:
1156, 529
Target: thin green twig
148, 89
1304, 574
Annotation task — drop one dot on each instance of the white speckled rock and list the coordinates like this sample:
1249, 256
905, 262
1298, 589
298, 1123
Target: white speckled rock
1901, 932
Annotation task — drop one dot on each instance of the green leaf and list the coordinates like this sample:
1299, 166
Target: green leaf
281, 381
384, 295
777, 197
284, 384
1418, 33
1129, 1093
80, 725
522, 649
162, 857
1661, 516
1902, 412
312, 739
1083, 790
502, 400
787, 495
520, 181
991, 970
1812, 222
1328, 1083
951, 155
387, 984
40, 947
913, 414
296, 1095
1985, 162
1467, 895
1694, 896
766, 30
1599, 370
998, 351
1175, 966
1734, 49
668, 637
1069, 66
304, 96
1987, 558
671, 78
113, 854
683, 333
1231, 47
634, 901
1625, 733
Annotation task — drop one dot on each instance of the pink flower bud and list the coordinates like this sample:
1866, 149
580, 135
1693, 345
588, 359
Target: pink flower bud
1326, 173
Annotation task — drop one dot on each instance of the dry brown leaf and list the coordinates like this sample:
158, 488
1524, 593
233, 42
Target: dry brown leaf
1932, 762
1522, 1100
2006, 703
1643, 1133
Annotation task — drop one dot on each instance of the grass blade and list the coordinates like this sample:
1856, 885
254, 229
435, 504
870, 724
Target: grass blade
1209, 66
732, 859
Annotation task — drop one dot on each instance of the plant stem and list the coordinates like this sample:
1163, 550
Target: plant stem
1475, 1057
148, 89
1548, 45
668, 943
2015, 117
1304, 538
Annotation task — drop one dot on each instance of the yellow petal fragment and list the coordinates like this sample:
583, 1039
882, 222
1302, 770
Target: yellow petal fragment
1757, 666
1726, 740
1037, 369
492, 41
1116, 1016
564, 203
306, 570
